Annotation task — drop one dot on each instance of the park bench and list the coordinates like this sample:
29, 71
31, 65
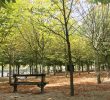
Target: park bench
41, 84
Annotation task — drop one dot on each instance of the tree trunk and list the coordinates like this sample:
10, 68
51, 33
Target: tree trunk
13, 69
18, 69
30, 69
66, 71
108, 72
68, 48
88, 69
54, 70
82, 66
98, 78
36, 69
43, 69
103, 67
107, 66
91, 67
97, 69
36, 62
9, 73
40, 69
71, 69
60, 69
2, 70
79, 67
48, 70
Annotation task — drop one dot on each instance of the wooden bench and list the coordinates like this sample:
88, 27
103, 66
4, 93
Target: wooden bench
41, 84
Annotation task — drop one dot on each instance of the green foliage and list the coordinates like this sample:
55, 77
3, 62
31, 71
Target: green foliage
3, 3
101, 1
34, 32
81, 48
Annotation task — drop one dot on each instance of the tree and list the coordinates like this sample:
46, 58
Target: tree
96, 27
60, 9
82, 51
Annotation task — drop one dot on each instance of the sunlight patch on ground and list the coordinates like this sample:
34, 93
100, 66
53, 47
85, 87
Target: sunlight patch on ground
57, 84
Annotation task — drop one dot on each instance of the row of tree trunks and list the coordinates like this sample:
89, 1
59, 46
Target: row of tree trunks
33, 69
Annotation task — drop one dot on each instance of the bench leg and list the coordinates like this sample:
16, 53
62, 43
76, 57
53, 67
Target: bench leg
15, 88
42, 89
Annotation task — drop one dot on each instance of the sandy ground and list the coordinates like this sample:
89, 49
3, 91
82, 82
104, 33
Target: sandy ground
58, 89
